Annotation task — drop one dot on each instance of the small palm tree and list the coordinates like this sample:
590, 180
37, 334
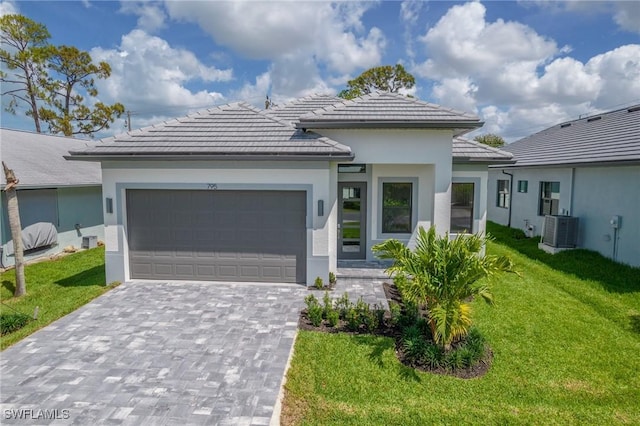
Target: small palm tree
444, 274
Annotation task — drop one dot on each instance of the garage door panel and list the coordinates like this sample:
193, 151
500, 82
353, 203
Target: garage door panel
217, 235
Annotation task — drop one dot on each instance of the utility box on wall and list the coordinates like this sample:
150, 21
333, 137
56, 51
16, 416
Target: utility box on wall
90, 241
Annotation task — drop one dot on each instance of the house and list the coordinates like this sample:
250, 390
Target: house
234, 193
587, 168
51, 190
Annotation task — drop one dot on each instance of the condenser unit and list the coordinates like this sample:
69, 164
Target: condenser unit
560, 231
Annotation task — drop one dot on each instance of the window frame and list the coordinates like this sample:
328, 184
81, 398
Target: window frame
475, 200
523, 186
380, 207
547, 187
503, 197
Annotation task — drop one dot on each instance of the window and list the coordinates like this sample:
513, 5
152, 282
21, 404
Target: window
396, 207
503, 194
352, 168
462, 207
549, 198
523, 186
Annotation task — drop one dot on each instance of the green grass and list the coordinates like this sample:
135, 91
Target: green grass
57, 287
565, 337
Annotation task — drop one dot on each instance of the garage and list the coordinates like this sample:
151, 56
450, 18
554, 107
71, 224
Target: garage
217, 235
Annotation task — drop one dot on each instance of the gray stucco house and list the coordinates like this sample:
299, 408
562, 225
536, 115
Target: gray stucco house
234, 193
51, 190
588, 169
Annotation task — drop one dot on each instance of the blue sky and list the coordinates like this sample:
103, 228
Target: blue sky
521, 66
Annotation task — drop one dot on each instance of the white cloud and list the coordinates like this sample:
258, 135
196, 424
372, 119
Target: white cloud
151, 17
332, 33
627, 15
518, 80
8, 8
148, 76
409, 14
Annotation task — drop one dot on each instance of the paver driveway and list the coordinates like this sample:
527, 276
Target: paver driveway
157, 353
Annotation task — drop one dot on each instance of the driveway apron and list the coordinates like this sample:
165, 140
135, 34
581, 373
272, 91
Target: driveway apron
157, 353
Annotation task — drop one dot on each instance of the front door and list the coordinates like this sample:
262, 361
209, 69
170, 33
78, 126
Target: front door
352, 215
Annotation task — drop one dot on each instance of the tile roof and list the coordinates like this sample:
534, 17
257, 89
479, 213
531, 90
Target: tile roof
227, 132
291, 111
610, 137
38, 161
383, 109
468, 151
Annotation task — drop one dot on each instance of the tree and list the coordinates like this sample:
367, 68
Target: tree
57, 84
27, 58
76, 70
16, 228
490, 139
384, 78
444, 274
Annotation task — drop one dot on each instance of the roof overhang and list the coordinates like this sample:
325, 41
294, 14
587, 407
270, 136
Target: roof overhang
210, 157
388, 124
487, 161
632, 162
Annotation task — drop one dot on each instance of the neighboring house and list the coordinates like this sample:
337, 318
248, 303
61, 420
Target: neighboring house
238, 194
587, 168
51, 190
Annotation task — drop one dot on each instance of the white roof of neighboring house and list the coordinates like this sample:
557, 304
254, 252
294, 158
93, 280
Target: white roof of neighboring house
609, 138
38, 162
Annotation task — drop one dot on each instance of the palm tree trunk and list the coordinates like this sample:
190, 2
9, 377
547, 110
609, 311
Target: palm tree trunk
16, 229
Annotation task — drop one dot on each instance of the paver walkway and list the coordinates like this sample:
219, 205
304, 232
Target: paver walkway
157, 353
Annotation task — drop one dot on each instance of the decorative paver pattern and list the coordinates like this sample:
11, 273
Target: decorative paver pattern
157, 353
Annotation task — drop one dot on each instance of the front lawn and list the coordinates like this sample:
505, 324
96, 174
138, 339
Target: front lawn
57, 287
565, 338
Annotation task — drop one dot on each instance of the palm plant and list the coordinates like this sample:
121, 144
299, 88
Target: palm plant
444, 274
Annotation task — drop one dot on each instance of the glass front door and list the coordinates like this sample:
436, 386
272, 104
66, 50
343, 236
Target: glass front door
352, 205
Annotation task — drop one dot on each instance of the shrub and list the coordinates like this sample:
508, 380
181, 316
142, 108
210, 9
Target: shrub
333, 318
315, 315
342, 305
353, 319
332, 278
433, 356
12, 322
444, 274
318, 283
328, 305
396, 314
413, 344
310, 300
379, 313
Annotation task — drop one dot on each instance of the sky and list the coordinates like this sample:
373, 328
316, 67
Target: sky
521, 66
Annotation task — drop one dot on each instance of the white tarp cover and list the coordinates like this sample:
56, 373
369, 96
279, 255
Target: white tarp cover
41, 234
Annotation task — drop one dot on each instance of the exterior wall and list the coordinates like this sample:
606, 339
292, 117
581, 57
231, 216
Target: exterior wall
64, 207
525, 206
599, 194
402, 147
313, 177
422, 157
478, 175
593, 194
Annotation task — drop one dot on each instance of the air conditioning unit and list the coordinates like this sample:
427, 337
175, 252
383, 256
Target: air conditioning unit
560, 231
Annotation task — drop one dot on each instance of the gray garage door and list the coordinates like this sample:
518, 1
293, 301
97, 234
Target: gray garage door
217, 235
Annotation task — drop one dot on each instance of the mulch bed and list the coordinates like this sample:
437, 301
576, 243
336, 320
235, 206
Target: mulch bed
393, 296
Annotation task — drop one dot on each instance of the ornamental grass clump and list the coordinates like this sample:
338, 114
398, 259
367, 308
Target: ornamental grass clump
443, 275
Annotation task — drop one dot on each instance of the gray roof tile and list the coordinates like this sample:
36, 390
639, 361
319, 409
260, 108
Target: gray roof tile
226, 131
292, 111
468, 151
38, 160
610, 137
388, 110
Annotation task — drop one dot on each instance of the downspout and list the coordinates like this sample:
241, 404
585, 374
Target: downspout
510, 196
